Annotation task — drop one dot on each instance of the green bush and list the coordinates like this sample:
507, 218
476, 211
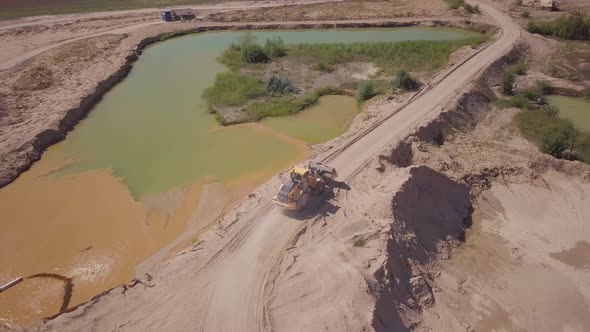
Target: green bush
403, 80
233, 89
253, 53
507, 84
557, 140
365, 90
275, 47
573, 27
280, 85
525, 14
520, 68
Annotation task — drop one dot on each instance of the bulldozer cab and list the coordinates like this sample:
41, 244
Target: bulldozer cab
298, 174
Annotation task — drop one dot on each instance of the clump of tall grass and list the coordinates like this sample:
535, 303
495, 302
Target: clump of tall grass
280, 85
275, 47
507, 84
233, 89
248, 51
365, 90
574, 27
520, 68
403, 80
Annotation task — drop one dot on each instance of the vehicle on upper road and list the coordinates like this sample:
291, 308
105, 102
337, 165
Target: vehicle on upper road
177, 15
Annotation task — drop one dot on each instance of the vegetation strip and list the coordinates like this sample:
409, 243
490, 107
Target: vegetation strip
541, 122
283, 98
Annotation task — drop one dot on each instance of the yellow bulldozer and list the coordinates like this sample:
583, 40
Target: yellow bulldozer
304, 182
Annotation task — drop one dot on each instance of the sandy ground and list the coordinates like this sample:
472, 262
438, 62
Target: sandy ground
388, 250
231, 267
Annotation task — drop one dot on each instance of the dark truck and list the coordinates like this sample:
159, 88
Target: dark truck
178, 14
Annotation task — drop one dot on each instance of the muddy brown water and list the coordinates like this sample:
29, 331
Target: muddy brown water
127, 179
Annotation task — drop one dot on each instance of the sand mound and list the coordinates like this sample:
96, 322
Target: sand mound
378, 282
430, 214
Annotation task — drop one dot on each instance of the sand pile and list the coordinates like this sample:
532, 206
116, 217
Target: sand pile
360, 264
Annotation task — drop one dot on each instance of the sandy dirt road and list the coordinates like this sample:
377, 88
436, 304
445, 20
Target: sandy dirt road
227, 293
9, 58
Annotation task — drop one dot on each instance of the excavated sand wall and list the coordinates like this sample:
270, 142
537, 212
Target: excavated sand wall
431, 213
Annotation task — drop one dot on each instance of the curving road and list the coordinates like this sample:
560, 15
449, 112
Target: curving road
227, 294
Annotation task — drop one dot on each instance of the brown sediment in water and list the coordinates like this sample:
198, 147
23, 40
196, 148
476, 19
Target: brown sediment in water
88, 228
84, 226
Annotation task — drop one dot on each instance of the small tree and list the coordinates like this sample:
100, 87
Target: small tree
365, 90
403, 80
275, 47
507, 85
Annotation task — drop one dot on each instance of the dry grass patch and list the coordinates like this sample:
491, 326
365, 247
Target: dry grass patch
37, 78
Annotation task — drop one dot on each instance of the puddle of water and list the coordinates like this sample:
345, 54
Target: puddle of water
575, 109
321, 122
577, 257
127, 179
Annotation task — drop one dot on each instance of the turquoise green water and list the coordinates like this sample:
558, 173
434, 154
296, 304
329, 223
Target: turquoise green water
153, 129
575, 109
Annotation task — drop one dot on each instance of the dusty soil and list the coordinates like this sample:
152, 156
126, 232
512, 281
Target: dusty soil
344, 10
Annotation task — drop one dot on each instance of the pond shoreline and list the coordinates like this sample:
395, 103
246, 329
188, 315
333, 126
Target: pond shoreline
51, 136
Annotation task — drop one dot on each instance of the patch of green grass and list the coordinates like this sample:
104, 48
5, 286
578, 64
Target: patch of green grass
520, 68
233, 89
412, 55
574, 27
554, 135
286, 105
525, 14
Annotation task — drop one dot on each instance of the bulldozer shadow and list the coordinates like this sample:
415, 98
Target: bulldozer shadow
320, 205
